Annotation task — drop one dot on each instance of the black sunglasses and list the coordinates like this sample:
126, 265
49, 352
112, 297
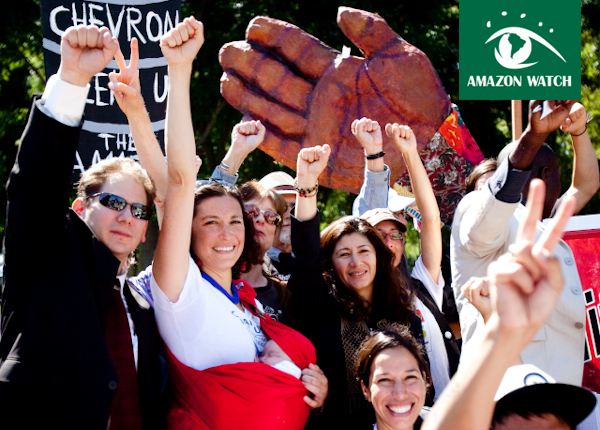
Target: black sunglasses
270, 216
118, 203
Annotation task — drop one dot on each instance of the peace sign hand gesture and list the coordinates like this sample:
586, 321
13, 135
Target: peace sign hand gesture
525, 283
126, 82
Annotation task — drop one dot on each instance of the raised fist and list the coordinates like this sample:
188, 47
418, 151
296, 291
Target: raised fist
368, 134
310, 163
402, 136
181, 44
247, 135
306, 93
84, 51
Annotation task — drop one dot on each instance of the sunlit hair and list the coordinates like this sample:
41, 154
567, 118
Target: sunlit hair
392, 297
92, 180
486, 166
254, 190
392, 337
251, 252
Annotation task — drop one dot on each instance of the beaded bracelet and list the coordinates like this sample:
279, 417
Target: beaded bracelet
306, 192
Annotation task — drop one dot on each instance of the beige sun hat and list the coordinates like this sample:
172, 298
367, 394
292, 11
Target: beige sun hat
278, 181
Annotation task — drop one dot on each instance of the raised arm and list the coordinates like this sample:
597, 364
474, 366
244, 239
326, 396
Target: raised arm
48, 147
246, 136
541, 124
525, 285
374, 190
125, 84
309, 165
431, 234
586, 176
179, 46
483, 222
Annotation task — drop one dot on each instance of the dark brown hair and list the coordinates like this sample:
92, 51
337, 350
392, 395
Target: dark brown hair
251, 252
392, 297
392, 337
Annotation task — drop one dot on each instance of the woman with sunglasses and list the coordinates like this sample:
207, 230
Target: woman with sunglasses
426, 278
266, 208
209, 319
343, 287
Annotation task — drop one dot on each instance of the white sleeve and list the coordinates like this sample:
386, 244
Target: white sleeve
63, 101
174, 319
436, 290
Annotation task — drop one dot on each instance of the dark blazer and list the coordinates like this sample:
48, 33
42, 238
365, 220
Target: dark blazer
314, 311
55, 370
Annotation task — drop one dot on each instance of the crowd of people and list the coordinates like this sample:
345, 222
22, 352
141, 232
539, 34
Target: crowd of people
251, 316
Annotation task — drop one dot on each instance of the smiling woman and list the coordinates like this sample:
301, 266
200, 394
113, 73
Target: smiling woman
213, 327
394, 377
343, 287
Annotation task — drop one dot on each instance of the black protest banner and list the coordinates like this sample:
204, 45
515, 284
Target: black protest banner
105, 133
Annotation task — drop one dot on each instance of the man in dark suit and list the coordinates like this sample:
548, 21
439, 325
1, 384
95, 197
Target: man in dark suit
78, 347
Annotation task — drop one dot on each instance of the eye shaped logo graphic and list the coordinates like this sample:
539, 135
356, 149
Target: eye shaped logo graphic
514, 47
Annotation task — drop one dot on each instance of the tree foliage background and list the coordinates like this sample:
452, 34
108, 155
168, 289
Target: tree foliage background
431, 25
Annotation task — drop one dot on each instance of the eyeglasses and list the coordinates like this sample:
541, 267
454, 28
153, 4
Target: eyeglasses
270, 216
118, 203
396, 235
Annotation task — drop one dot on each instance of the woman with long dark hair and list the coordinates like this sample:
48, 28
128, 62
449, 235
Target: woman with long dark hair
342, 289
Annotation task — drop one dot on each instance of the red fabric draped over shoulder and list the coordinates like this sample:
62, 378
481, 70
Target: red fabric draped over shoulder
243, 395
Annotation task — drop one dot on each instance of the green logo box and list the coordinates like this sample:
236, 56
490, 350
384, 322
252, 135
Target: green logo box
518, 50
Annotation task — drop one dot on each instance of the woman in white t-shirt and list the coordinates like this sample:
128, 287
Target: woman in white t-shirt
195, 276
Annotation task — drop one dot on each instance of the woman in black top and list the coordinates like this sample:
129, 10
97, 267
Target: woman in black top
342, 289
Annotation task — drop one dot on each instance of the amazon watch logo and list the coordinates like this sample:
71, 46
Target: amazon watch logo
515, 49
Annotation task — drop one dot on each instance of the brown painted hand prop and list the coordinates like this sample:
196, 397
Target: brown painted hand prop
307, 93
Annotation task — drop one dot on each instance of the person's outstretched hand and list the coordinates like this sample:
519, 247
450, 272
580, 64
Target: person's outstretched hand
526, 283
84, 51
306, 93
